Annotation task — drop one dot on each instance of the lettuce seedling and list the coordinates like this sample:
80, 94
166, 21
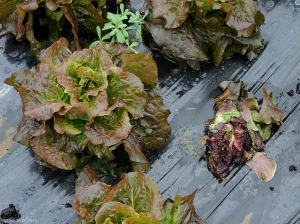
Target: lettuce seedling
136, 199
193, 31
238, 130
81, 104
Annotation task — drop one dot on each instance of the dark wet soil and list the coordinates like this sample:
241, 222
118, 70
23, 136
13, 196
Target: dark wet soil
298, 88
291, 92
10, 213
68, 205
292, 168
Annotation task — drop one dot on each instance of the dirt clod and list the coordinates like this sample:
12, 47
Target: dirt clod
298, 88
292, 168
291, 92
10, 213
271, 188
68, 205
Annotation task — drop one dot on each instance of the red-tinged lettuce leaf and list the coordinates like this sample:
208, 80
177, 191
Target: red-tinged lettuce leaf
142, 65
133, 147
174, 12
109, 130
237, 131
102, 152
88, 201
40, 93
56, 54
114, 213
54, 155
218, 29
127, 88
269, 111
142, 219
263, 166
181, 210
153, 127
28, 128
87, 177
178, 43
139, 191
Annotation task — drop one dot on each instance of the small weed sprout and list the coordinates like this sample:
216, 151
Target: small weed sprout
118, 30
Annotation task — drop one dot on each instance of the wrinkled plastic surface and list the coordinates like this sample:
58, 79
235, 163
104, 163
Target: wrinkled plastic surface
41, 194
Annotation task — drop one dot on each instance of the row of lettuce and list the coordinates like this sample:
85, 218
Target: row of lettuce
98, 109
186, 31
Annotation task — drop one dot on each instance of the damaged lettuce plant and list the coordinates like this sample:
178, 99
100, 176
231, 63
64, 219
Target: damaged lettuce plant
238, 130
192, 31
80, 106
136, 199
43, 22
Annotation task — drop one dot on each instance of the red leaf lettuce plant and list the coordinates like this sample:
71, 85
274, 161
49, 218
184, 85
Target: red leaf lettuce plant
81, 104
136, 199
238, 130
191, 31
45, 21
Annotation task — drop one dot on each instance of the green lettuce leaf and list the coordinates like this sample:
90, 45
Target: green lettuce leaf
135, 200
142, 65
180, 210
139, 191
109, 130
114, 212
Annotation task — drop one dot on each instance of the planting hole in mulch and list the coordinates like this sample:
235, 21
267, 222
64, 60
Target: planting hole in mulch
10, 213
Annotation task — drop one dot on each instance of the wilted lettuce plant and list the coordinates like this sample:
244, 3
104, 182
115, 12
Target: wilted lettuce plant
204, 30
136, 199
238, 130
81, 104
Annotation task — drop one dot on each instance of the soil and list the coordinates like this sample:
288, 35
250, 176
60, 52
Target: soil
10, 213
68, 205
298, 88
292, 168
291, 92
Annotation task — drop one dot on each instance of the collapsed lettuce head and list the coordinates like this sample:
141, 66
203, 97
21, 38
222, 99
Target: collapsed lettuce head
238, 130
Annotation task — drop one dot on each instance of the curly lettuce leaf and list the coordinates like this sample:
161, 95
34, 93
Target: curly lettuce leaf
139, 191
110, 129
174, 12
142, 65
180, 210
237, 132
153, 127
57, 150
114, 212
210, 30
88, 201
138, 160
27, 129
142, 219
127, 88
